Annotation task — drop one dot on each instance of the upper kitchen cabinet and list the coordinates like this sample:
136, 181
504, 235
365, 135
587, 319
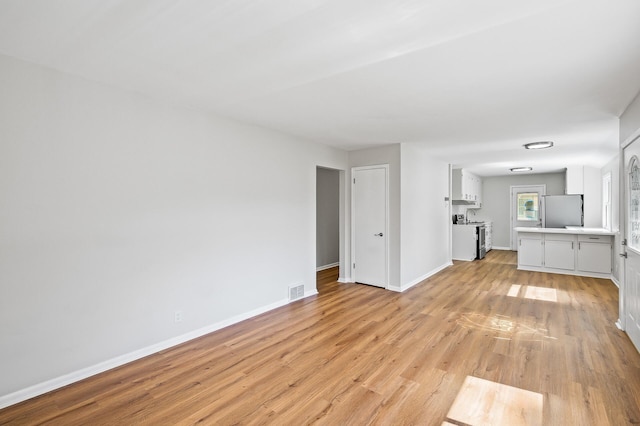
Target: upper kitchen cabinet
574, 180
588, 181
466, 188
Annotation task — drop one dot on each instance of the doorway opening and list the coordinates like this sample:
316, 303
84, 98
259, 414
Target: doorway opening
330, 213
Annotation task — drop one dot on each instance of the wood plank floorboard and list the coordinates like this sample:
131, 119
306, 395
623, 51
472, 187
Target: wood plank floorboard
478, 343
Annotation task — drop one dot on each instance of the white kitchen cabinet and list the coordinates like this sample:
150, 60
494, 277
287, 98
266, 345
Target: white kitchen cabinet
559, 252
464, 242
466, 187
477, 189
587, 180
574, 180
594, 254
565, 251
530, 250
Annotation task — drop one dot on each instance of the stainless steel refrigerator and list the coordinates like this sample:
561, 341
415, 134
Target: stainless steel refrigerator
559, 211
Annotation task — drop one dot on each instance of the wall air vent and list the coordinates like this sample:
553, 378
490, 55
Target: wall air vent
296, 292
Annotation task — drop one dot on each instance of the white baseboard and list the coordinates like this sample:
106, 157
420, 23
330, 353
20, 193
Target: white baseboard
309, 293
67, 379
501, 248
615, 281
418, 280
331, 265
345, 280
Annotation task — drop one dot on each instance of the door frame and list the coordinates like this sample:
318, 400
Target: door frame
512, 243
341, 191
386, 225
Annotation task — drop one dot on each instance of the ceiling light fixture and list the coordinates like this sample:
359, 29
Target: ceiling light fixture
521, 169
538, 145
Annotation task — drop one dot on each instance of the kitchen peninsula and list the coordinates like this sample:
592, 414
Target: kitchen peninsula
572, 250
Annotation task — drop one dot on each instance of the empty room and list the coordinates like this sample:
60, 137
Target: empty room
319, 212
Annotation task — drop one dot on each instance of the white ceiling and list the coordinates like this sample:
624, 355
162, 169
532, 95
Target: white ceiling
473, 80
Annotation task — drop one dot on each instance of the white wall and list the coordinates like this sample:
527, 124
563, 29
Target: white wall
117, 210
327, 217
630, 120
496, 200
425, 215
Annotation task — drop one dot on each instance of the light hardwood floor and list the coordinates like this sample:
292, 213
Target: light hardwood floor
478, 343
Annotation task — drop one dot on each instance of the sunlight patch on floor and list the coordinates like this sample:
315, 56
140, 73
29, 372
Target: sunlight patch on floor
482, 402
534, 292
503, 327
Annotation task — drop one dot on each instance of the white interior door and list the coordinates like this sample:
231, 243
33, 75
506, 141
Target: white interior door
525, 208
631, 289
370, 230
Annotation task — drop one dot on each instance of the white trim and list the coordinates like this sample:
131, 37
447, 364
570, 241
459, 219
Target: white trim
312, 292
635, 135
67, 379
329, 266
615, 281
345, 280
501, 248
607, 214
418, 280
622, 224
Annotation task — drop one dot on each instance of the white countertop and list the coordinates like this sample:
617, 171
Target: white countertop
567, 230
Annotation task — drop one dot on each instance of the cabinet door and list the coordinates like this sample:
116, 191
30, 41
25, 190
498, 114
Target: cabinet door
466, 185
474, 188
594, 257
574, 180
464, 242
456, 190
559, 254
530, 251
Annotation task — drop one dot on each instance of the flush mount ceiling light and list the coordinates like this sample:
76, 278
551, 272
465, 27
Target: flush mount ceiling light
538, 145
521, 169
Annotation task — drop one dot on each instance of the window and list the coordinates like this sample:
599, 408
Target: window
528, 206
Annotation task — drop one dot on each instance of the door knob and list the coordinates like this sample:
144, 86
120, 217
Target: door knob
378, 235
623, 255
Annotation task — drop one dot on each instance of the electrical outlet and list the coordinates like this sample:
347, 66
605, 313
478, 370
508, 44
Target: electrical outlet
177, 316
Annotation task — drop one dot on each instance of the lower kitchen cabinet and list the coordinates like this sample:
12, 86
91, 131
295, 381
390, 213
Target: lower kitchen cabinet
530, 250
594, 254
559, 252
464, 242
565, 253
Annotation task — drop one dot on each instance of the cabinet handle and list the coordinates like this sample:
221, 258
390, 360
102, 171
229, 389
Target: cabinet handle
571, 245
